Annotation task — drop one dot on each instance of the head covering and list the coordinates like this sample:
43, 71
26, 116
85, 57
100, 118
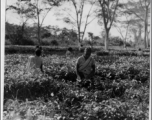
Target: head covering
88, 49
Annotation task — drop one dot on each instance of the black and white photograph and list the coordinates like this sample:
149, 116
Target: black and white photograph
76, 60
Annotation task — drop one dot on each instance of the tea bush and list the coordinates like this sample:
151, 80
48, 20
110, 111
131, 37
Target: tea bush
119, 90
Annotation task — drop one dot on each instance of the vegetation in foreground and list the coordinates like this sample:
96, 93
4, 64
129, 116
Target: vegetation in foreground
120, 90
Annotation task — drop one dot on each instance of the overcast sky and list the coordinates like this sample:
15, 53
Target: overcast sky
51, 19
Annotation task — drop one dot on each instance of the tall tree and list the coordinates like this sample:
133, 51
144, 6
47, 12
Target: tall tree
78, 18
137, 34
24, 12
40, 9
140, 9
124, 25
107, 12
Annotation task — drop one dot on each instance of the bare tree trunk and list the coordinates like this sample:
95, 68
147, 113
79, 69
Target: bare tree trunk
145, 38
107, 40
139, 35
135, 38
145, 32
22, 30
126, 36
38, 25
125, 41
148, 39
92, 43
79, 36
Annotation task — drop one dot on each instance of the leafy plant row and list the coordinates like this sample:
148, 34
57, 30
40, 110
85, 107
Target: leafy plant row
119, 90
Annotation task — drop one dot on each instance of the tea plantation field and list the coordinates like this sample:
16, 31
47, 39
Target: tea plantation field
119, 91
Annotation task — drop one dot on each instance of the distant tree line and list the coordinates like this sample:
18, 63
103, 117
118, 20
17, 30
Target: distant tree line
53, 36
107, 12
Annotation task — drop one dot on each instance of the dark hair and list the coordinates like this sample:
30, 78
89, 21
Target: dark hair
38, 52
139, 49
70, 49
38, 47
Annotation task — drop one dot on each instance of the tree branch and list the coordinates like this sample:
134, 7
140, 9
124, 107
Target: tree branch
141, 4
127, 31
45, 16
74, 4
119, 30
114, 13
137, 15
74, 25
91, 20
81, 13
131, 11
108, 12
103, 12
71, 16
91, 9
148, 3
86, 23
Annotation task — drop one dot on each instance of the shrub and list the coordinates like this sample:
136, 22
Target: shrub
17, 39
18, 49
115, 93
102, 53
30, 49
116, 41
26, 41
46, 35
128, 44
8, 42
126, 53
46, 42
146, 50
14, 39
54, 43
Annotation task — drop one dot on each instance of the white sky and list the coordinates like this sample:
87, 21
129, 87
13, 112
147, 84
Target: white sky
51, 19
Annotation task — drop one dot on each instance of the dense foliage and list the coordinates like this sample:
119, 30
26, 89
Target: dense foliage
50, 35
119, 90
14, 35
